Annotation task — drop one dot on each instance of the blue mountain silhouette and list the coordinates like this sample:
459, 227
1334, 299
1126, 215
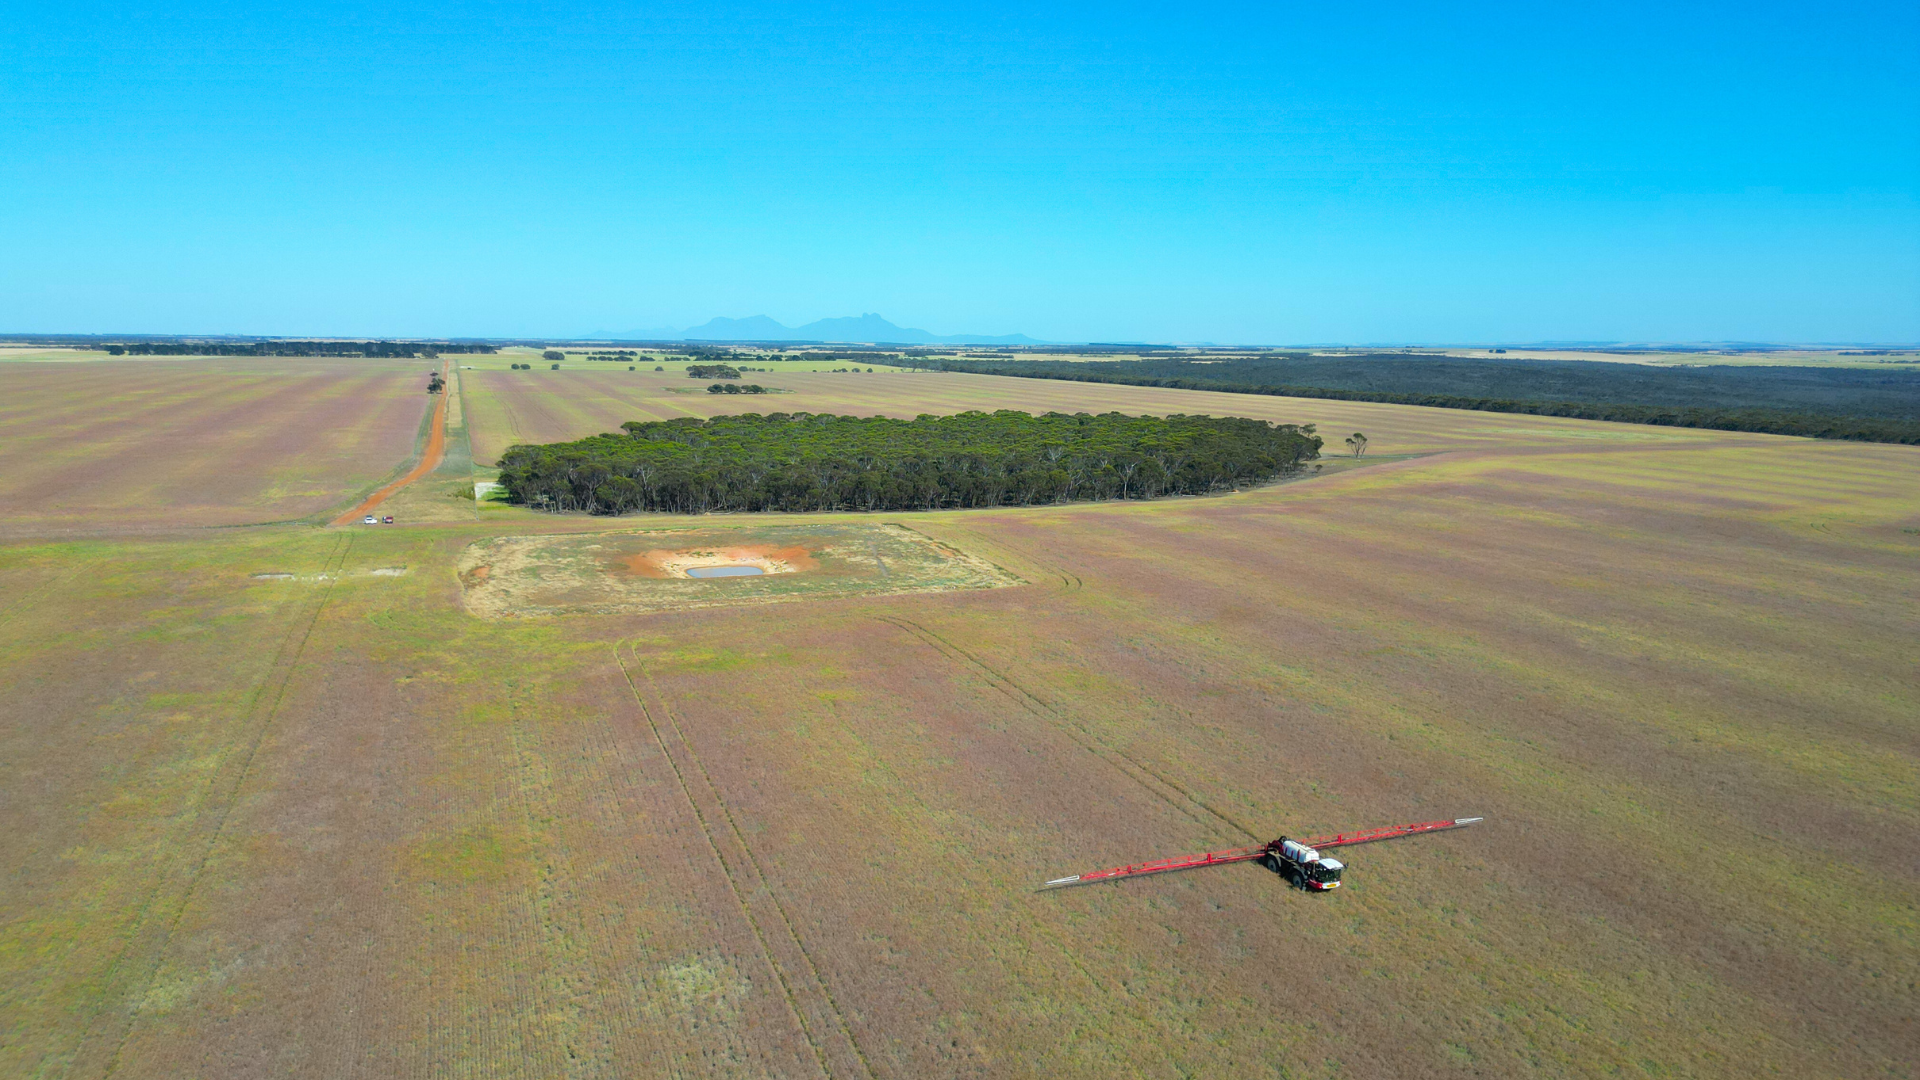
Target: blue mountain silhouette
867, 328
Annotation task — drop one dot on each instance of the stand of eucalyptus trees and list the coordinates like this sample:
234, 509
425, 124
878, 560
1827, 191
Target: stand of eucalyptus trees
812, 462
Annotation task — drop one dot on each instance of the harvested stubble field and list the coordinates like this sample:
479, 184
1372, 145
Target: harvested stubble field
133, 445
333, 824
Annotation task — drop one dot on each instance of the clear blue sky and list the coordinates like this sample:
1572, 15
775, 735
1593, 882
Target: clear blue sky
1278, 173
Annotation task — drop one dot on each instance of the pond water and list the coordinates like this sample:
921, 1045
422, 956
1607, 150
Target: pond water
724, 571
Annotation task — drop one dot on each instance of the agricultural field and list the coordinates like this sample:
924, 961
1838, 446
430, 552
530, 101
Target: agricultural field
542, 406
674, 361
156, 444
285, 800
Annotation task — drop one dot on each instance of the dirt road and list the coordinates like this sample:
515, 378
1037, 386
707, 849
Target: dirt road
429, 461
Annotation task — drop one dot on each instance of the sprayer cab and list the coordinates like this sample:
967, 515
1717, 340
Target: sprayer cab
1304, 866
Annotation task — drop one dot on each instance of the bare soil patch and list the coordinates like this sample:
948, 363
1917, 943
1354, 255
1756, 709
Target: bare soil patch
612, 573
685, 562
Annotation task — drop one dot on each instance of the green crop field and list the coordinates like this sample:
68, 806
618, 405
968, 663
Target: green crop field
286, 800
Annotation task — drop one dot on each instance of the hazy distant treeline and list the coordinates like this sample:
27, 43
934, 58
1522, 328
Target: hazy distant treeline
809, 462
396, 349
1823, 403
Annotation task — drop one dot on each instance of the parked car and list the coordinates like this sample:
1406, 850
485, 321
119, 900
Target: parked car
388, 520
371, 520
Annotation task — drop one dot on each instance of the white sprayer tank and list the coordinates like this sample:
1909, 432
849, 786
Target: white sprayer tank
1298, 852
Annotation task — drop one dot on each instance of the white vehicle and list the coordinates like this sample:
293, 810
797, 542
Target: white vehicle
1304, 866
370, 520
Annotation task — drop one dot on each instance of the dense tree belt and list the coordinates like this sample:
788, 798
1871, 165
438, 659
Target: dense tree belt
1821, 403
395, 349
804, 461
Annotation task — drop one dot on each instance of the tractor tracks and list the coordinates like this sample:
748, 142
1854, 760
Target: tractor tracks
1155, 782
153, 931
809, 999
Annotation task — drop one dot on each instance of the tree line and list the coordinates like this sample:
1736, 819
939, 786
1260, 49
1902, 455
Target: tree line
814, 462
1839, 403
394, 349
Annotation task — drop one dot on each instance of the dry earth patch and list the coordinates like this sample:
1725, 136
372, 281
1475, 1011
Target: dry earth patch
662, 570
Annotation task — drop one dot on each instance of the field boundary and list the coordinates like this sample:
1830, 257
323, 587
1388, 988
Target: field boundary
745, 859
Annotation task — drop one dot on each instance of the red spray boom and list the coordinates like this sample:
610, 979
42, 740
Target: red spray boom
1261, 851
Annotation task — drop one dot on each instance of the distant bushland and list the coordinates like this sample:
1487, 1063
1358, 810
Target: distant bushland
391, 349
814, 462
1822, 403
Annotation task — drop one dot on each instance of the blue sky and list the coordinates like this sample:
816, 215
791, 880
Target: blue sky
1273, 173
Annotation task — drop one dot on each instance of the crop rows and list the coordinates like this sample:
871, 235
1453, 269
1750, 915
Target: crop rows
119, 446
808, 997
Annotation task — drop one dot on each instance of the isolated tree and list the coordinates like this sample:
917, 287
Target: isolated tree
553, 354
1357, 443
556, 367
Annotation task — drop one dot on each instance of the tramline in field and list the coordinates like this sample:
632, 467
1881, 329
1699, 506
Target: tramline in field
1299, 861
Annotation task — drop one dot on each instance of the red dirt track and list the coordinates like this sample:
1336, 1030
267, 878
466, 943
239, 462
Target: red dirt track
429, 461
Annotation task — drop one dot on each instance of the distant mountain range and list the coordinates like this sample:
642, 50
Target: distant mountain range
866, 328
